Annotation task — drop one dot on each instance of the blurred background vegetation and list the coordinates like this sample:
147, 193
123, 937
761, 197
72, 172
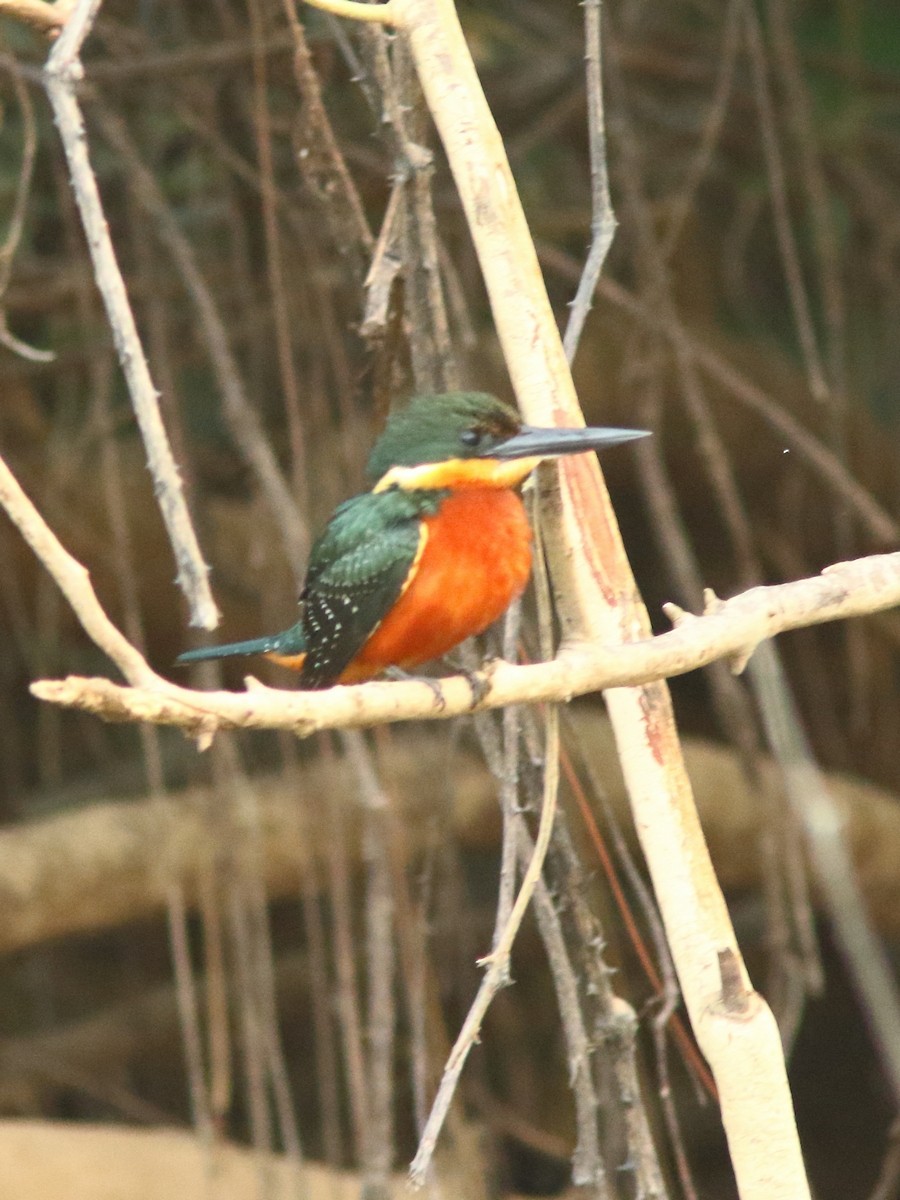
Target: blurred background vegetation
748, 314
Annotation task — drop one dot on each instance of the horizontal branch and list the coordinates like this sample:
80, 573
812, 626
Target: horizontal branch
729, 629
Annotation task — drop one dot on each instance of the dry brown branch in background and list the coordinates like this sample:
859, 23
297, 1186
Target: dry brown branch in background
107, 849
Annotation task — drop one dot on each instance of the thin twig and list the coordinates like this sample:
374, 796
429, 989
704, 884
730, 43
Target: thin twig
613, 1026
220, 1050
497, 961
320, 159
587, 1162
718, 108
61, 77
252, 946
620, 1033
243, 419
346, 998
404, 128
244, 902
419, 984
275, 271
263, 964
787, 241
503, 760
259, 1117
882, 526
667, 1102
188, 1010
799, 113
386, 264
19, 211
835, 874
603, 219
508, 781
323, 1030
665, 1020
378, 1153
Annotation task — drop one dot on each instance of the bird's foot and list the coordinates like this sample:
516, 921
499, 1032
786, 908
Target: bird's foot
478, 680
479, 684
399, 675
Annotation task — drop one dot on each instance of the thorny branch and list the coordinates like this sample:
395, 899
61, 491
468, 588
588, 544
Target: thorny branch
497, 962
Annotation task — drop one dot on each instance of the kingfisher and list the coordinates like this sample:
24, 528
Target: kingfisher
433, 554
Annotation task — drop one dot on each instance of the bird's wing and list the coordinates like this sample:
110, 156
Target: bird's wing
358, 569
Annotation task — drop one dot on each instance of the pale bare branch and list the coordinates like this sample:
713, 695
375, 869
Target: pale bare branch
62, 74
72, 580
730, 630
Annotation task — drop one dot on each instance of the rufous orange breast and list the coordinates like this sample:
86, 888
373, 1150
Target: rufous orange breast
475, 560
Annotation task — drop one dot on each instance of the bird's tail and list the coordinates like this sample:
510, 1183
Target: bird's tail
290, 643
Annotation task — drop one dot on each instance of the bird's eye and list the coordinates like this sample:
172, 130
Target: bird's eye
471, 437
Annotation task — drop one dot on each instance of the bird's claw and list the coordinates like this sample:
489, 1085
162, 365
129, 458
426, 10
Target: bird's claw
479, 684
398, 674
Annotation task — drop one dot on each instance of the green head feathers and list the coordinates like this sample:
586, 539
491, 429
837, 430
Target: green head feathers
433, 429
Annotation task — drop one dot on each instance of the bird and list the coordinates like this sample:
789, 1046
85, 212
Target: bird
434, 553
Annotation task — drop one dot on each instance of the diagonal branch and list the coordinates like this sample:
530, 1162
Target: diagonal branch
73, 581
598, 603
61, 77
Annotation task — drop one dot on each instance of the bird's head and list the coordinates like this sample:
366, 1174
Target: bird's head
471, 439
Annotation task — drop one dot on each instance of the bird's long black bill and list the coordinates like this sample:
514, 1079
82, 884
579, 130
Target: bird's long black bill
530, 442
